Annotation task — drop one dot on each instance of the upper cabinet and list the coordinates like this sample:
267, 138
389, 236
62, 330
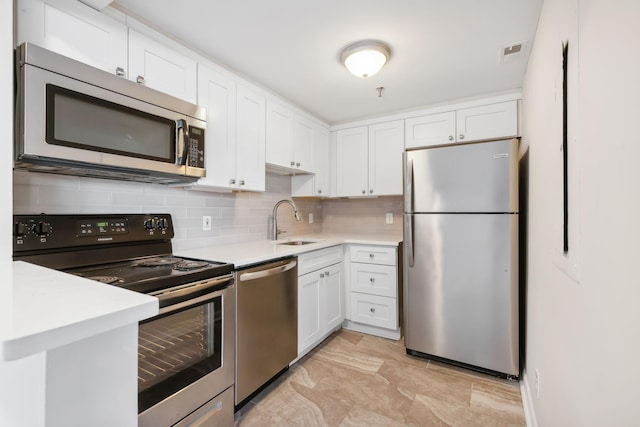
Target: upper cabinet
250, 134
369, 160
290, 140
159, 67
318, 184
497, 120
74, 30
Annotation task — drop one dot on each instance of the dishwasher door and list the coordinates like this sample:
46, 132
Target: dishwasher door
266, 324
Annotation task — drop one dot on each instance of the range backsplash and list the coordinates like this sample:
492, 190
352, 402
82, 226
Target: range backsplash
235, 217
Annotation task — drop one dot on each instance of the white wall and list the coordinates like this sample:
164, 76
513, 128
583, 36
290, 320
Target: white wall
6, 125
583, 319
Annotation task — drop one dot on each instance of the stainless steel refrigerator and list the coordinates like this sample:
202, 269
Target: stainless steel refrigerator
460, 263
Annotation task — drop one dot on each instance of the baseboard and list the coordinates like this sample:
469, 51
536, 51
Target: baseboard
372, 330
527, 401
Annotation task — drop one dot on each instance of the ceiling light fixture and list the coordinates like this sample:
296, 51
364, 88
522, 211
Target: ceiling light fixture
365, 58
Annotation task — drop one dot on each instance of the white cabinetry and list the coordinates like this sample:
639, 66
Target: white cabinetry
369, 160
155, 65
234, 138
290, 139
318, 184
498, 120
73, 29
373, 290
320, 296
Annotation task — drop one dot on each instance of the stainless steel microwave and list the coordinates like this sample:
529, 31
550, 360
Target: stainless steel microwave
74, 119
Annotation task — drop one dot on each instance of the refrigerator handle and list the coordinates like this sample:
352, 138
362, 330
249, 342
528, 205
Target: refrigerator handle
408, 183
408, 227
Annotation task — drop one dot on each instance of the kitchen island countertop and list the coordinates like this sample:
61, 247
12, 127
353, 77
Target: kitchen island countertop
248, 253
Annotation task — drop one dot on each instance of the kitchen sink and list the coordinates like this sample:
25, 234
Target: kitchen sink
296, 243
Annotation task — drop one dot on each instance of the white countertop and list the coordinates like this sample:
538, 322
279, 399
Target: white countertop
244, 254
41, 309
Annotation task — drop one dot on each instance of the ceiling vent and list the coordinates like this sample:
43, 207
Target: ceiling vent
512, 53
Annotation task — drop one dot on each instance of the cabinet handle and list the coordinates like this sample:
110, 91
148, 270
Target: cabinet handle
461, 136
140, 80
372, 280
371, 191
120, 71
450, 137
242, 182
373, 310
371, 256
298, 164
322, 275
232, 181
319, 191
293, 163
326, 273
364, 191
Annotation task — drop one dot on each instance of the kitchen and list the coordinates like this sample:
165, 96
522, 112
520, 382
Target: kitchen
565, 339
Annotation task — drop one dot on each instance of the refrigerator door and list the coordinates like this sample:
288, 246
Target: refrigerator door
461, 290
478, 177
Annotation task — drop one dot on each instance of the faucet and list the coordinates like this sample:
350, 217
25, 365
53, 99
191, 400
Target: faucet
275, 230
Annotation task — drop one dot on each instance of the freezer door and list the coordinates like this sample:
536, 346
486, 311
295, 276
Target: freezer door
478, 177
461, 288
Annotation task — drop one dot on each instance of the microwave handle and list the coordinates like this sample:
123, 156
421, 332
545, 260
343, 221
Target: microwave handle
181, 158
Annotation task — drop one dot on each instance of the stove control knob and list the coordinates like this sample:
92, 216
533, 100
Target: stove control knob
150, 224
162, 224
20, 229
42, 229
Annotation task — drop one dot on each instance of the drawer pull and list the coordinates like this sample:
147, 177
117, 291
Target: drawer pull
371, 256
322, 275
372, 280
373, 310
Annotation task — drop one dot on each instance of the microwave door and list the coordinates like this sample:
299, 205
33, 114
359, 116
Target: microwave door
85, 123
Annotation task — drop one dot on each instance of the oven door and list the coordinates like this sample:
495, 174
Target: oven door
186, 352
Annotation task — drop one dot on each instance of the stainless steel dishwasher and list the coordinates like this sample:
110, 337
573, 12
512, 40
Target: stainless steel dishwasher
266, 324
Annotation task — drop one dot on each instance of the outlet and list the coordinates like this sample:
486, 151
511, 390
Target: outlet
389, 218
310, 218
537, 384
206, 223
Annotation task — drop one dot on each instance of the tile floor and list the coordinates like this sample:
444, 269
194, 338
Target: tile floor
353, 379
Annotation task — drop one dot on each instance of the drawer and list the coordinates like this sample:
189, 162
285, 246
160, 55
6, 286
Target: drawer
315, 260
373, 254
374, 279
374, 310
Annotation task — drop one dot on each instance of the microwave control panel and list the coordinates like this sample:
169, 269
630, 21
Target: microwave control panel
196, 147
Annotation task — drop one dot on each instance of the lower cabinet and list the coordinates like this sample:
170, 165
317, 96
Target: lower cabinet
320, 296
372, 285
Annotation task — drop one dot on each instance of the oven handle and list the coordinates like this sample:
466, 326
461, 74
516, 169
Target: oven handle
266, 273
171, 298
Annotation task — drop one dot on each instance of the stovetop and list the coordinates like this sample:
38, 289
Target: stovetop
130, 251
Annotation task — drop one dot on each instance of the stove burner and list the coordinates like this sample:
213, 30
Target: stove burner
191, 265
158, 262
105, 279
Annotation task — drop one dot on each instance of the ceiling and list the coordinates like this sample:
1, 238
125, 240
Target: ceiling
442, 50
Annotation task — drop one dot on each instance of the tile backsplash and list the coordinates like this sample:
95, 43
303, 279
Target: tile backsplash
235, 217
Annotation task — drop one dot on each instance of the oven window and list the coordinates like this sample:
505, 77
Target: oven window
81, 121
177, 349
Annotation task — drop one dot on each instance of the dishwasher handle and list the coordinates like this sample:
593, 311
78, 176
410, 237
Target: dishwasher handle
253, 275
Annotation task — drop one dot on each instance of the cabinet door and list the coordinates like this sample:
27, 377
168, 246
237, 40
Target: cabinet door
155, 65
217, 93
487, 121
279, 135
434, 129
323, 166
304, 139
386, 144
332, 296
309, 312
352, 162
250, 134
74, 30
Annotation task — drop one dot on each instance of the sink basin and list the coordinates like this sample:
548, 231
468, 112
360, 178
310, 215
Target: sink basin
296, 243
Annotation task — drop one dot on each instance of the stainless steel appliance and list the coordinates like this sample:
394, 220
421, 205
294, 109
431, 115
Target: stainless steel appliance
78, 120
461, 255
186, 352
266, 325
